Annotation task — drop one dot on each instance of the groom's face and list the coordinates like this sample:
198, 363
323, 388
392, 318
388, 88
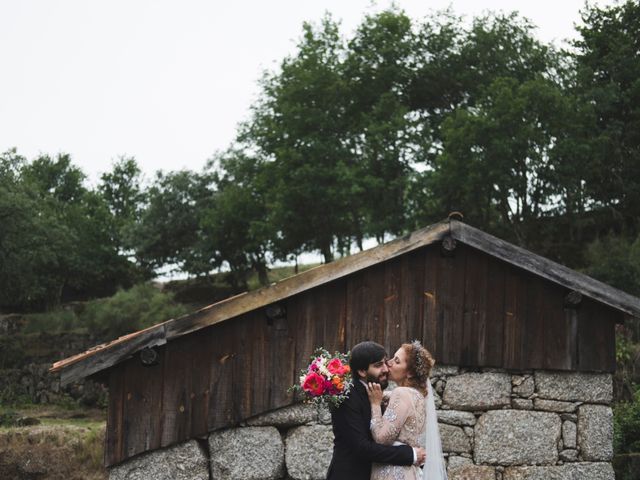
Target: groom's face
377, 372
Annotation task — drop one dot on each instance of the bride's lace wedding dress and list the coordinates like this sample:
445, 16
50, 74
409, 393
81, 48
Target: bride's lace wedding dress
403, 422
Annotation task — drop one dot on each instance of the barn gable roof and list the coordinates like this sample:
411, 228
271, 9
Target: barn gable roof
109, 354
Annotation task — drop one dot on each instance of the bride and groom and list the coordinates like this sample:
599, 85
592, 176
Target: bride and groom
369, 444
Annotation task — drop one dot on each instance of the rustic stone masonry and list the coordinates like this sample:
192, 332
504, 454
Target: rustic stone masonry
495, 425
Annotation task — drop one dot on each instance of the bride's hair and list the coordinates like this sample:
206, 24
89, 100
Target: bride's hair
419, 365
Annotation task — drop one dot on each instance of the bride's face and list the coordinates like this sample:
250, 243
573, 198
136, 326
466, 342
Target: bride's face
398, 367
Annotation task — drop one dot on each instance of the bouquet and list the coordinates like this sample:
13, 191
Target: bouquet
327, 379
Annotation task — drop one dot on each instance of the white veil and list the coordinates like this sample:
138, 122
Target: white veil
434, 467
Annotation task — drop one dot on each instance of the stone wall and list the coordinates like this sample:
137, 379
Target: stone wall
25, 359
494, 424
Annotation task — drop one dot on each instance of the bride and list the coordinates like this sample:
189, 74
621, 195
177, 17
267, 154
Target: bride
410, 417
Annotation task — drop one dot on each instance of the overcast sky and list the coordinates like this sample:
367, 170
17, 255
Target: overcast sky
168, 81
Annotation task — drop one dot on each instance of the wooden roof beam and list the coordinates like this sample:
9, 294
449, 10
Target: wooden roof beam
109, 354
545, 268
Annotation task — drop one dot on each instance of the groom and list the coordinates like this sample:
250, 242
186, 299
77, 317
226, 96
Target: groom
353, 447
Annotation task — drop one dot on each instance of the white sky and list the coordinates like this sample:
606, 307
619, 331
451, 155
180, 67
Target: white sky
168, 81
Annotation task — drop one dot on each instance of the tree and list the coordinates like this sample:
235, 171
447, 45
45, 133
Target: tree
299, 128
57, 237
33, 244
55, 178
455, 65
498, 162
498, 134
169, 226
608, 79
381, 132
122, 191
615, 260
234, 227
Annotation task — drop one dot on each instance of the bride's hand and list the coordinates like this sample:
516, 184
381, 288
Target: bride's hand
374, 391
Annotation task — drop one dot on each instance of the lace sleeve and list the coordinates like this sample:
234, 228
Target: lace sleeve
386, 428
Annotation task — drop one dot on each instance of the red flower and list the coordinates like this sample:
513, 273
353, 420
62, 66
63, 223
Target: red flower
314, 384
335, 367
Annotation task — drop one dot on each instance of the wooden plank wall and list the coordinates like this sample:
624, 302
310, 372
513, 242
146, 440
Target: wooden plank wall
469, 309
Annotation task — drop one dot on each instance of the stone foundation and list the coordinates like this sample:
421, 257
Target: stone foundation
495, 425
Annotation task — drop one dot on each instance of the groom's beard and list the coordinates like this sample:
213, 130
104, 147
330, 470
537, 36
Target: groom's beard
383, 380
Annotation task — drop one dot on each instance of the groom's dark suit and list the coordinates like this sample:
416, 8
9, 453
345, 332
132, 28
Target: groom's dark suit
353, 447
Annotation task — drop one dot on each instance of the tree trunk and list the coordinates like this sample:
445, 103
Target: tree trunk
326, 252
263, 276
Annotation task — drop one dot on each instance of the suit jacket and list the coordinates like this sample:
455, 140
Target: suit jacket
353, 447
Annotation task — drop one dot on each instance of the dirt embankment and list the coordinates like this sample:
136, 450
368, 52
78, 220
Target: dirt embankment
52, 452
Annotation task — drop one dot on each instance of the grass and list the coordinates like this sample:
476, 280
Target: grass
75, 435
90, 450
60, 452
56, 414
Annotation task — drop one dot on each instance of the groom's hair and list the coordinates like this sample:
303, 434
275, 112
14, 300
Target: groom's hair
364, 354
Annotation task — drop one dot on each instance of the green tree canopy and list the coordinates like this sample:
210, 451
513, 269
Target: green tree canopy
169, 226
608, 79
56, 240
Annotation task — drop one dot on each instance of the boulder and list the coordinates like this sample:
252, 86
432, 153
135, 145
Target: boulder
472, 472
595, 432
456, 417
291, 416
575, 386
455, 461
478, 391
570, 471
569, 455
523, 385
308, 452
554, 405
569, 434
522, 403
454, 440
185, 461
517, 437
250, 453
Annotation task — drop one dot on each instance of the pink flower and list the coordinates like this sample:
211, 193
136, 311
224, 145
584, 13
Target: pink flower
330, 388
335, 367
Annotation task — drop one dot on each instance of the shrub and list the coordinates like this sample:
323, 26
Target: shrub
626, 418
9, 418
55, 321
615, 260
130, 310
11, 352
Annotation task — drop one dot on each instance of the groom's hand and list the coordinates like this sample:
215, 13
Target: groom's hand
421, 456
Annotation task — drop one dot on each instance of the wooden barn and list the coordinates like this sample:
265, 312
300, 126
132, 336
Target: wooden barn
473, 299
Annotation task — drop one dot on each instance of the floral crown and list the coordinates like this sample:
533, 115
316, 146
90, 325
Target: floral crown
423, 367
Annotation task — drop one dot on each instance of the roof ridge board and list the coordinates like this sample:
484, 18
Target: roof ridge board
88, 363
307, 280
